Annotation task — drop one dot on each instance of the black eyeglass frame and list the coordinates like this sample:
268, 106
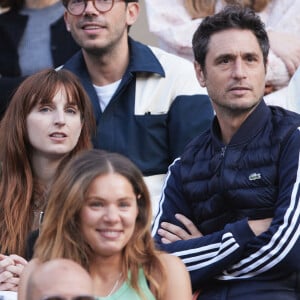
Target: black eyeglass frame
66, 5
82, 297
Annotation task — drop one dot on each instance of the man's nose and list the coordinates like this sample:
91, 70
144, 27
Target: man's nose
239, 70
90, 8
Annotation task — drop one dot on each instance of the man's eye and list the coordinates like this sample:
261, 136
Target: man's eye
250, 59
225, 60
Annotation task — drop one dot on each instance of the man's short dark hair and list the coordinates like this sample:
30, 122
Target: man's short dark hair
232, 16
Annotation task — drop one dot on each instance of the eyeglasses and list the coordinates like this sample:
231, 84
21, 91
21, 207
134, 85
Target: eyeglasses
70, 298
77, 7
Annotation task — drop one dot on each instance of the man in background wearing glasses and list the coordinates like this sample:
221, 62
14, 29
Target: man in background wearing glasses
147, 102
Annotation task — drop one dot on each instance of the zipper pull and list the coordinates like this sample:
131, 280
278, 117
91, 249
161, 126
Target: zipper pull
223, 149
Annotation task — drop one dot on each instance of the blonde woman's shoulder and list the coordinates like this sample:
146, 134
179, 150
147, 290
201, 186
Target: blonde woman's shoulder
176, 273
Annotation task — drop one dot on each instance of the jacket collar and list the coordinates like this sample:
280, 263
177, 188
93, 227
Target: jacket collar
255, 122
142, 59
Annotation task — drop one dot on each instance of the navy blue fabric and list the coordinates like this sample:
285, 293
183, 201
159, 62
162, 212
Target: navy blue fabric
220, 187
286, 288
151, 141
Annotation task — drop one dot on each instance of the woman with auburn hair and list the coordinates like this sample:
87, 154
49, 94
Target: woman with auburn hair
175, 21
48, 121
99, 215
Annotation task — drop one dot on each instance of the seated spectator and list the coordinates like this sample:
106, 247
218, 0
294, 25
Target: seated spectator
147, 102
33, 37
99, 215
230, 207
48, 121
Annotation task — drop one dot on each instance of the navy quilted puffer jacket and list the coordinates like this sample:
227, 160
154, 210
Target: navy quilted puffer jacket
220, 187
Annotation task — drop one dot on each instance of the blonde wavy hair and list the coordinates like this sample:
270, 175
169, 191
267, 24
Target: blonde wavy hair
204, 8
17, 181
61, 236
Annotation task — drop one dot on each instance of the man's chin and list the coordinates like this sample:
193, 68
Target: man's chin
95, 50
239, 109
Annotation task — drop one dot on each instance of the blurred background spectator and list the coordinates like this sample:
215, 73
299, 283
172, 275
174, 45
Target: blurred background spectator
175, 21
33, 36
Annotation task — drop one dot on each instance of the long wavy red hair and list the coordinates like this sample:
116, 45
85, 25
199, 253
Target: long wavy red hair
17, 180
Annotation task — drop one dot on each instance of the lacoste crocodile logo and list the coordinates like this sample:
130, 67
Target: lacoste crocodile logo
254, 176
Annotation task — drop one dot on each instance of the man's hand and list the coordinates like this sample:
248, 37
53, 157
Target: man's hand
171, 233
260, 226
11, 268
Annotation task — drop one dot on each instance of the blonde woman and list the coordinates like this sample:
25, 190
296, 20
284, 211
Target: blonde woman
99, 215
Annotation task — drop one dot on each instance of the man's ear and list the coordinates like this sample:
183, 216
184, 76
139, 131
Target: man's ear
66, 20
133, 9
199, 74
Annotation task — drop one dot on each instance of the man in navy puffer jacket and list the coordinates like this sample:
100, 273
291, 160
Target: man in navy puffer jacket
230, 207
